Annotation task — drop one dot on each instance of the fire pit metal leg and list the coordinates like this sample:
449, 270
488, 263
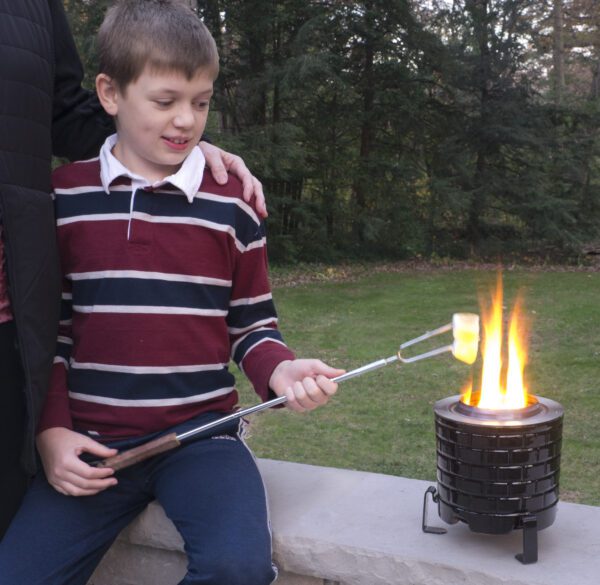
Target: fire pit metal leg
435, 497
530, 541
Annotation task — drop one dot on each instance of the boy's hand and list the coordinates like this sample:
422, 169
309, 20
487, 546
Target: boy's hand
59, 449
306, 383
219, 162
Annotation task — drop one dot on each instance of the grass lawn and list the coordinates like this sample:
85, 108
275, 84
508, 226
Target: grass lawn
383, 421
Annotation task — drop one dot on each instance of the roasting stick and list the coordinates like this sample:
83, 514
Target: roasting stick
465, 329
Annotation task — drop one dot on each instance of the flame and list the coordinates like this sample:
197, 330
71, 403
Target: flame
502, 388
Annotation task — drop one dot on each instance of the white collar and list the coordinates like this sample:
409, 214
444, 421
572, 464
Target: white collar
187, 179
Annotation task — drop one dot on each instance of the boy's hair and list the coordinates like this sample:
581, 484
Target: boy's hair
165, 35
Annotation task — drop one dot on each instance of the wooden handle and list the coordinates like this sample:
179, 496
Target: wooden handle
141, 453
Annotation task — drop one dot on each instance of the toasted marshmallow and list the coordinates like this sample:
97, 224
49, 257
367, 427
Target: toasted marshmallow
465, 329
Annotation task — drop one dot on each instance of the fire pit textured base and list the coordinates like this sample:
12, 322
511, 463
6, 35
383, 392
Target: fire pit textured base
498, 474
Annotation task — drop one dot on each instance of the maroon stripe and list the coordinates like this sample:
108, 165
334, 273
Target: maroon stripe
251, 279
77, 175
149, 340
102, 245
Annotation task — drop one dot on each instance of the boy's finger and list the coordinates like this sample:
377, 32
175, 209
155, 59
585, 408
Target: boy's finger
95, 448
328, 386
75, 479
320, 367
332, 372
292, 402
91, 472
82, 469
314, 391
308, 394
73, 490
91, 484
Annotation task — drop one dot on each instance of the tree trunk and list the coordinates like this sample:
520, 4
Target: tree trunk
558, 52
479, 10
361, 183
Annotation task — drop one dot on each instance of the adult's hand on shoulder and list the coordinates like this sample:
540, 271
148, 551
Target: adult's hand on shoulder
220, 162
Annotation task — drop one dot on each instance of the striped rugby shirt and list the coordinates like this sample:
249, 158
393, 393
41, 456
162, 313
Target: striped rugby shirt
160, 290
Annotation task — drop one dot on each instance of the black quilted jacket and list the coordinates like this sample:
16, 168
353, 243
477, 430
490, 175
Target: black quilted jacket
43, 110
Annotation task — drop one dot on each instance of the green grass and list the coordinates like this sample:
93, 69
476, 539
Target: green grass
383, 421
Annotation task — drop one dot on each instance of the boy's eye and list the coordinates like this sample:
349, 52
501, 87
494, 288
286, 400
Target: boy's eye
202, 105
163, 103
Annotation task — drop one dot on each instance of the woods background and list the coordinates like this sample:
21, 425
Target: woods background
409, 128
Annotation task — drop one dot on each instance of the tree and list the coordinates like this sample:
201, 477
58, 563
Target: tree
408, 127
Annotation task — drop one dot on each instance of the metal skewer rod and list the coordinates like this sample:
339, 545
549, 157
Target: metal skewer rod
366, 368
283, 399
233, 416
342, 378
173, 440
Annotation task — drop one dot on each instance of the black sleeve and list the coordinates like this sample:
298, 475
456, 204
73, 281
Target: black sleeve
79, 125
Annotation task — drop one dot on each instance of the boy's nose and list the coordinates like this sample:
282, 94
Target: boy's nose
184, 118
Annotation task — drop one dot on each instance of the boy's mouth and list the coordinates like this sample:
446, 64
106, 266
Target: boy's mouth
176, 143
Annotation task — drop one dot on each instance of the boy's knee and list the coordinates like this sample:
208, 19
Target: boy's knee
228, 571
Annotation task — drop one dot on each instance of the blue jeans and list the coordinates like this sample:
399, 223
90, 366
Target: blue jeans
210, 488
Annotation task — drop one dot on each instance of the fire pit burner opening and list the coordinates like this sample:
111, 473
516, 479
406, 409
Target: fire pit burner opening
533, 407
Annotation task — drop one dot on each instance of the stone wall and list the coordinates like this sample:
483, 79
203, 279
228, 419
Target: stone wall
341, 527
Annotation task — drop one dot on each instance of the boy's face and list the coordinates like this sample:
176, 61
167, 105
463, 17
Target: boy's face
160, 118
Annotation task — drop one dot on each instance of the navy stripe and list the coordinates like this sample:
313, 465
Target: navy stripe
228, 214
63, 350
251, 339
241, 316
150, 293
92, 203
127, 386
66, 309
161, 204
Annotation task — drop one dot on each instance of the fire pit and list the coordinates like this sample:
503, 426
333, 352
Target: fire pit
498, 449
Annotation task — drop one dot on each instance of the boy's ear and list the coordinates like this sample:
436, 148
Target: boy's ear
107, 92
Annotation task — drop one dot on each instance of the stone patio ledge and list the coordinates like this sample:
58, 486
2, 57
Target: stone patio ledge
335, 526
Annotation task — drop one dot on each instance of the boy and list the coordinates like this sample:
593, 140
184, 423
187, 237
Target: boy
43, 110
149, 325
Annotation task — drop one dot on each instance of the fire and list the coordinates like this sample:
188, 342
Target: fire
502, 387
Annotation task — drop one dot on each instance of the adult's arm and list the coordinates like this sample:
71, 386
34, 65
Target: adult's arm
79, 125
